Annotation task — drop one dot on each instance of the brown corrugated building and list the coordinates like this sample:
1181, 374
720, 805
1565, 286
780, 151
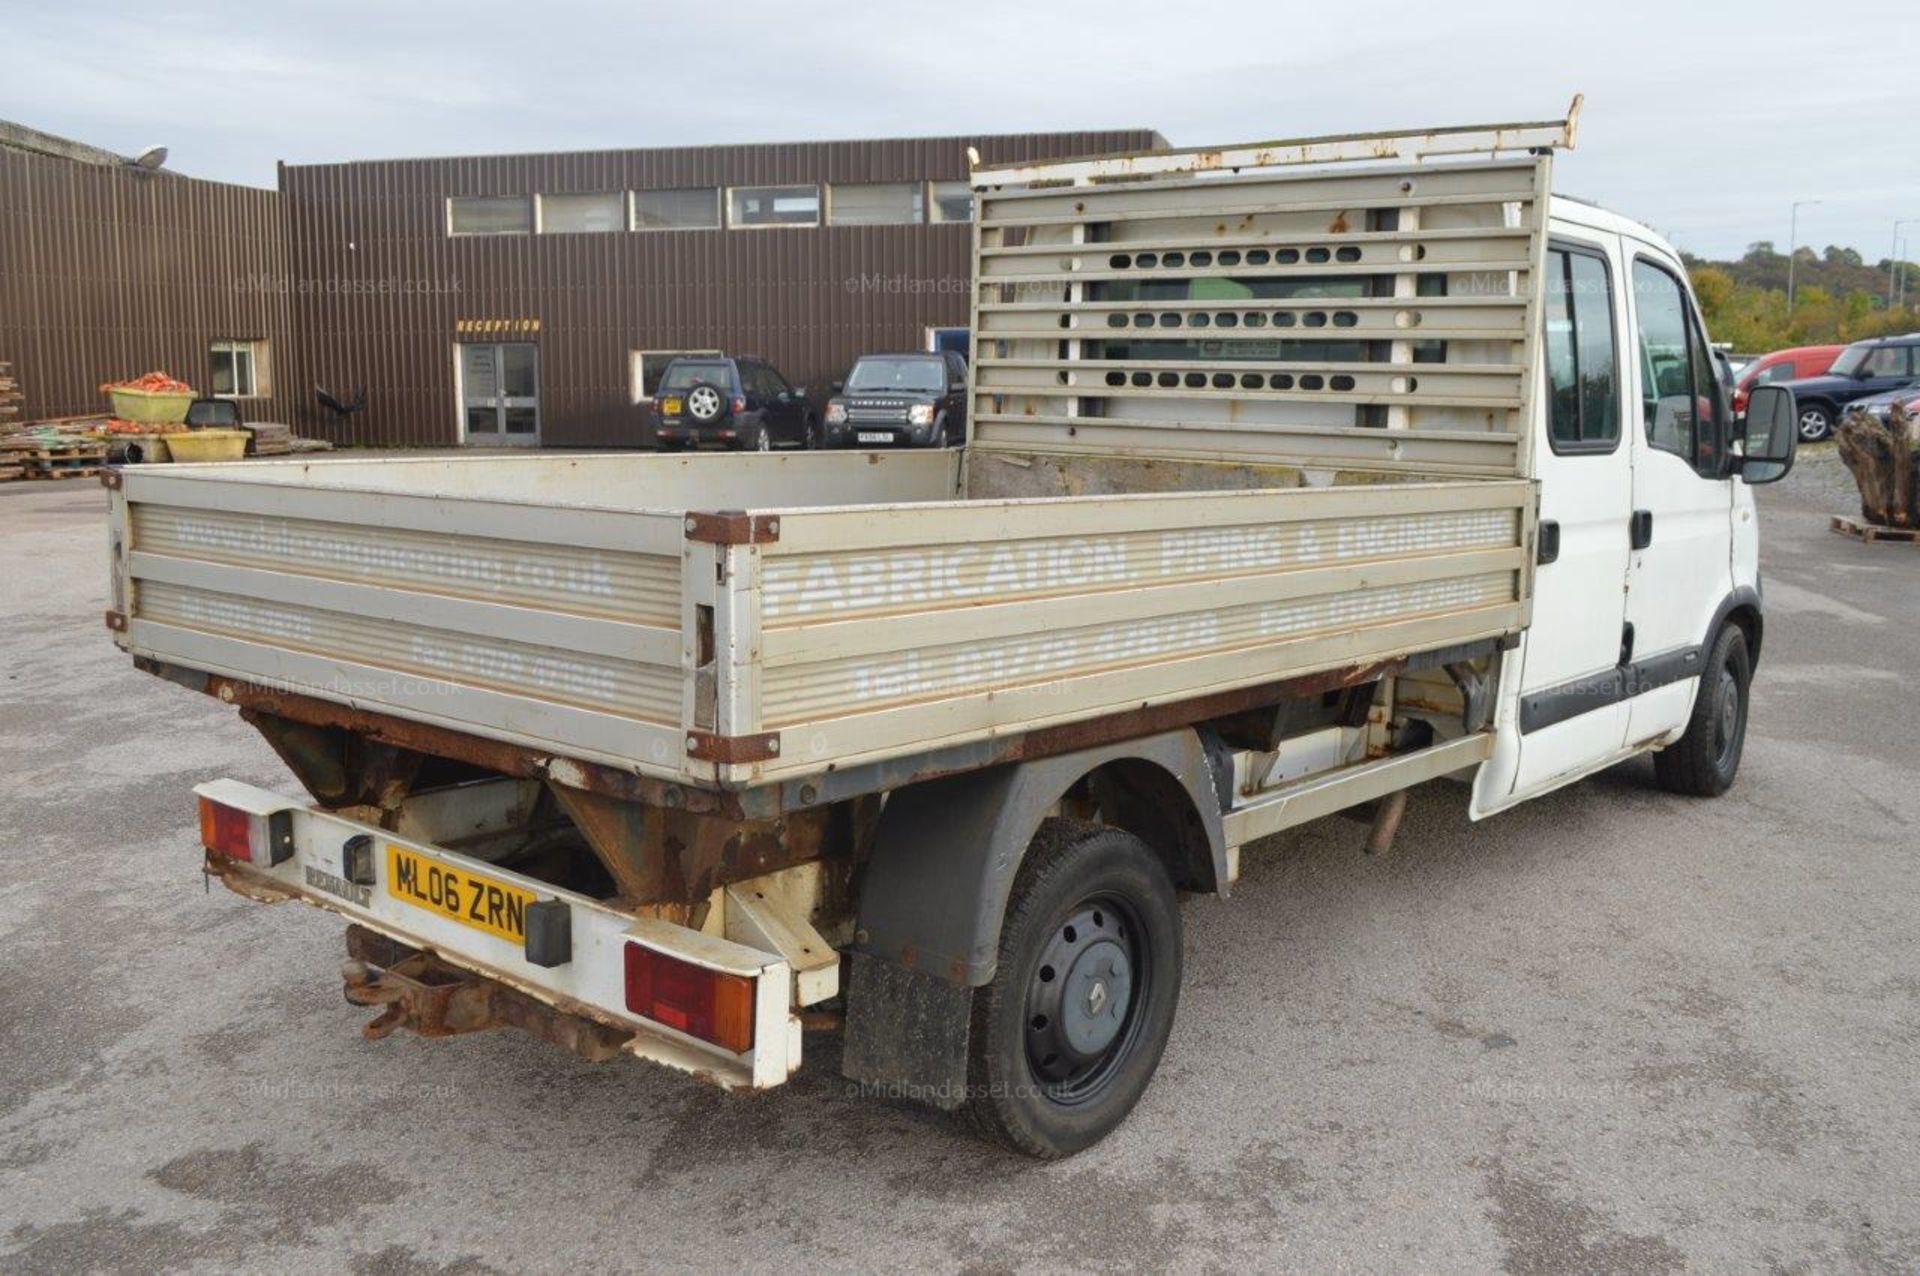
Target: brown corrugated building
485, 300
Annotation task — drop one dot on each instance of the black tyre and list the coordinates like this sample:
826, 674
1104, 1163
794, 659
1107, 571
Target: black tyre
762, 440
1704, 761
1816, 422
1066, 1038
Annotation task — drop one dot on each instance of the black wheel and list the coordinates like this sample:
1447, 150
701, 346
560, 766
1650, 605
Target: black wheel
1816, 422
1066, 1037
762, 441
810, 434
1704, 761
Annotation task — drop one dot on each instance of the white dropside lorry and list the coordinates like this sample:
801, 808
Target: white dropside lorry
1297, 474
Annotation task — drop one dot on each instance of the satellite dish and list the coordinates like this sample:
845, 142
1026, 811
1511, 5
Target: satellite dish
151, 158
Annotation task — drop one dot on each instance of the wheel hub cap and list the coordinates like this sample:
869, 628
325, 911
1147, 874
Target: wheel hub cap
1096, 1000
1082, 998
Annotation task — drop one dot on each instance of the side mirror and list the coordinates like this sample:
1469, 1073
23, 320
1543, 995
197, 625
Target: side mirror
835, 387
1771, 435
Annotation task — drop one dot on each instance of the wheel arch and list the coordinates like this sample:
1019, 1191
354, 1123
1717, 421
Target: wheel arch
934, 892
946, 851
1742, 608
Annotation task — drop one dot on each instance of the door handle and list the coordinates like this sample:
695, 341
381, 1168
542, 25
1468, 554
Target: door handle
1641, 528
1547, 542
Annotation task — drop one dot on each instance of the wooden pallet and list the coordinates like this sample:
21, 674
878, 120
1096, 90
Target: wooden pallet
41, 459
87, 470
1872, 533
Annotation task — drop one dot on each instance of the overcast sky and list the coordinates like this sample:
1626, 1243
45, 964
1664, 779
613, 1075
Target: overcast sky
1707, 121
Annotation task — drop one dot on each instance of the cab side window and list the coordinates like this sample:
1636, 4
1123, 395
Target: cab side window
1887, 361
1680, 400
1583, 412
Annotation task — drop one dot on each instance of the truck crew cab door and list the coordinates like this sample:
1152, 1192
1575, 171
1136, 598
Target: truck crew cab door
1681, 566
1569, 721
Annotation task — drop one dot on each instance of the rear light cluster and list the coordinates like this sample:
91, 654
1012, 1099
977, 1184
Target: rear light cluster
234, 834
709, 1004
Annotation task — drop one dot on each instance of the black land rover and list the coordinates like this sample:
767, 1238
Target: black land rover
900, 400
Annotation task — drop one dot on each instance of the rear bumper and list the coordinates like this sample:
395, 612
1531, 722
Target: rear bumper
719, 434
589, 984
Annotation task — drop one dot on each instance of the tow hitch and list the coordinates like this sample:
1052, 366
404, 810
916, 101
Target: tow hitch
434, 998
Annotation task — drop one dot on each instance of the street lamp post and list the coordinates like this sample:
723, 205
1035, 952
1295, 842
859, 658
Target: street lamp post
1896, 277
1793, 245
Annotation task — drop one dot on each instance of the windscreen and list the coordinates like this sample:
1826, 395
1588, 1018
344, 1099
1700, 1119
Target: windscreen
901, 376
1850, 360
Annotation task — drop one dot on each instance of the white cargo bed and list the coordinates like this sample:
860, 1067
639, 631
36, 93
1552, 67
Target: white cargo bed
1342, 358
822, 636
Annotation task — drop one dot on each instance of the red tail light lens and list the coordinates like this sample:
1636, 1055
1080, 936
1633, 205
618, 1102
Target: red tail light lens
241, 835
708, 1004
739, 405
226, 831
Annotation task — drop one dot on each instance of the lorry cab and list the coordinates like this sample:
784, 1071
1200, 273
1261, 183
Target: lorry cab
1647, 542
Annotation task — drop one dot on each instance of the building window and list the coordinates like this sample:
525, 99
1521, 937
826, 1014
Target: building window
490, 215
879, 204
697, 208
239, 369
952, 202
582, 214
649, 364
774, 206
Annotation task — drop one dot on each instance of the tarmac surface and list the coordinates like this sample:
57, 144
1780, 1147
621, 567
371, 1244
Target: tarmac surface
1612, 1030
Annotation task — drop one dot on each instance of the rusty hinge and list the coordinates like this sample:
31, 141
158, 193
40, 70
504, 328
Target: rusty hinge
110, 478
733, 527
708, 747
117, 621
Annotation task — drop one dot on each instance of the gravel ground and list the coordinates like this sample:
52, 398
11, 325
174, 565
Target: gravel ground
1613, 1030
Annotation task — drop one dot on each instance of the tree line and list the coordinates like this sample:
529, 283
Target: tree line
1837, 297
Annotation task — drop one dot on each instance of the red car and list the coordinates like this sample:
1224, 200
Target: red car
1783, 365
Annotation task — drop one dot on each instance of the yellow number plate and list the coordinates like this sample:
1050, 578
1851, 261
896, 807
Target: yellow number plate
670, 406
468, 898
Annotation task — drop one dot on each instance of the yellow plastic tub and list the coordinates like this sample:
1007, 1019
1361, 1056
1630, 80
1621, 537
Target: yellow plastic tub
208, 445
150, 407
